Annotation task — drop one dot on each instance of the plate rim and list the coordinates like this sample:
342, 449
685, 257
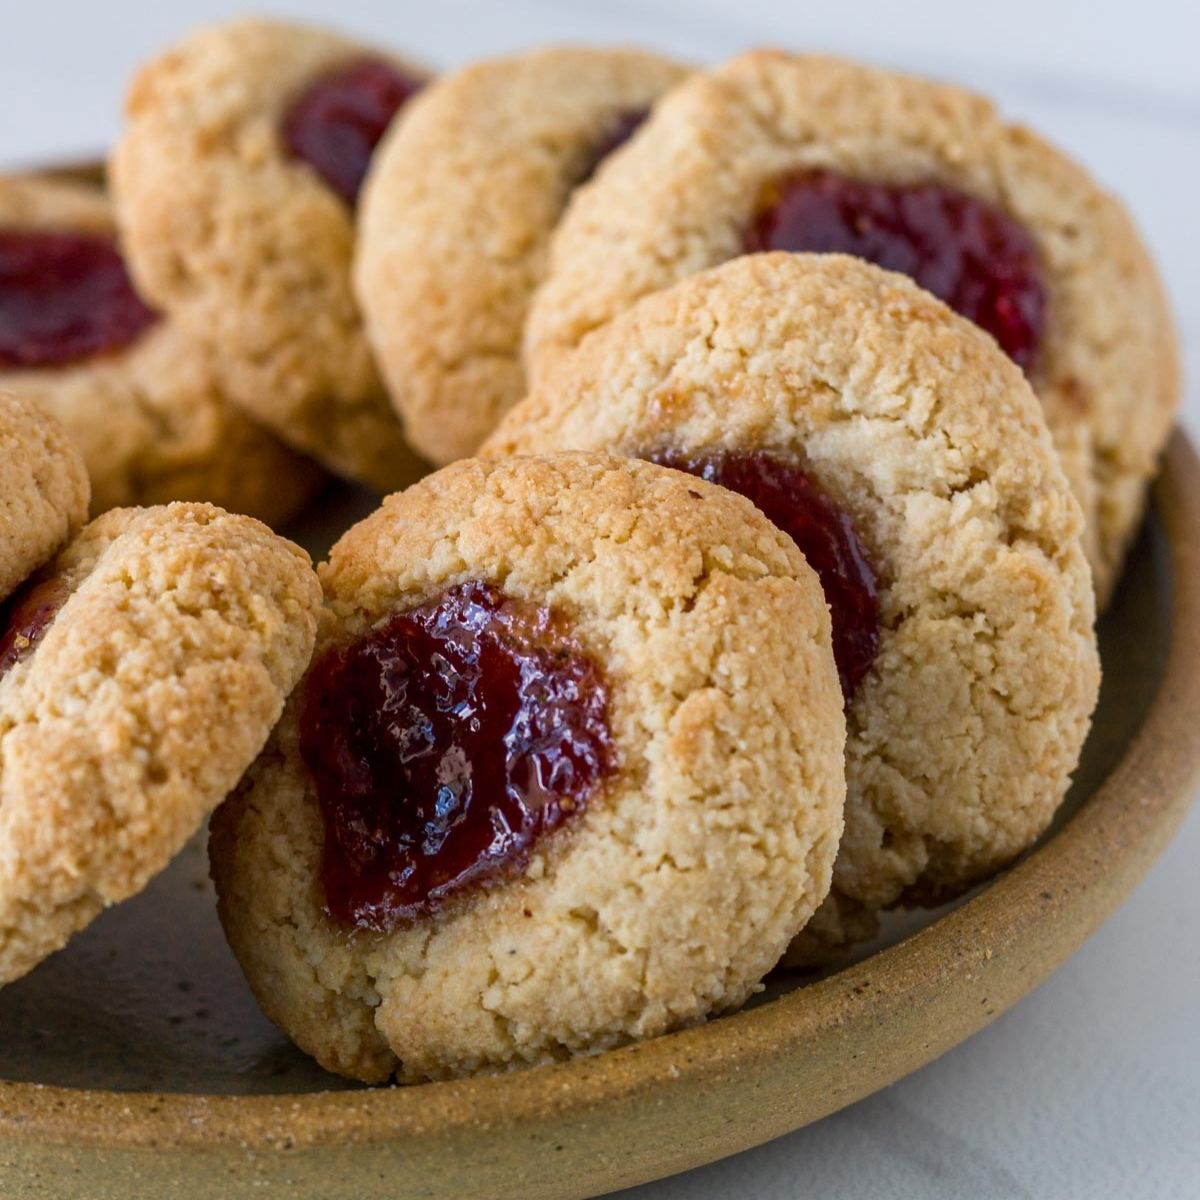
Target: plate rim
967, 967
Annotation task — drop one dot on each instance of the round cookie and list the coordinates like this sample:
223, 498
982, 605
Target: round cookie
456, 217
967, 713
138, 679
697, 819
943, 182
241, 147
138, 397
43, 490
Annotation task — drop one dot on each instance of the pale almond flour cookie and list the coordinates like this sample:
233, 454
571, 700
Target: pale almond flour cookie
235, 181
456, 216
139, 677
567, 772
139, 397
908, 457
778, 152
43, 490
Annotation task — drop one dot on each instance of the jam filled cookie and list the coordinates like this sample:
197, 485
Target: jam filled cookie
138, 397
457, 214
43, 490
774, 152
908, 459
236, 180
567, 771
140, 673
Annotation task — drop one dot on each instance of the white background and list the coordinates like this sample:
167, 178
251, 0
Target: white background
1090, 1087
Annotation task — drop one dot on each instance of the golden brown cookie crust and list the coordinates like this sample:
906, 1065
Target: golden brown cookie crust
682, 883
183, 632
679, 201
150, 418
455, 220
962, 738
249, 249
43, 490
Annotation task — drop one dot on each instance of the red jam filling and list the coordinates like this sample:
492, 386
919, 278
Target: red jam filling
966, 252
443, 744
64, 297
624, 126
824, 533
25, 617
336, 124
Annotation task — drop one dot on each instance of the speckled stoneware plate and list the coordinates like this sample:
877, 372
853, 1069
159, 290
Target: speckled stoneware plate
135, 1063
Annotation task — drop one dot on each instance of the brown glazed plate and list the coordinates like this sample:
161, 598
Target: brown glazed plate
135, 1062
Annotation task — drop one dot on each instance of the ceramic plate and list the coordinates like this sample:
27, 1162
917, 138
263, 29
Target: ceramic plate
135, 1063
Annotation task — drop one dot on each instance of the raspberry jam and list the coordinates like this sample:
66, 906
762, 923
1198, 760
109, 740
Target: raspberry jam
25, 617
443, 744
336, 124
64, 297
624, 126
966, 252
825, 534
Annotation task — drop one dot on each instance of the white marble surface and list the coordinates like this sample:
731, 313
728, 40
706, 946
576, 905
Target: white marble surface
1091, 1086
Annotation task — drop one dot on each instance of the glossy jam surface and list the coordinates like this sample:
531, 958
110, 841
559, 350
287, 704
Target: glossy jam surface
64, 297
966, 252
624, 126
824, 533
336, 124
24, 618
443, 744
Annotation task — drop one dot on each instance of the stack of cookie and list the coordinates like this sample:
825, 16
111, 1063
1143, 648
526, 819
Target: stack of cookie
812, 410
144, 659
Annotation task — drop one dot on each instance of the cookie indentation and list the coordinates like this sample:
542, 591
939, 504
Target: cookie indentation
25, 618
624, 126
337, 122
443, 744
64, 297
825, 534
966, 252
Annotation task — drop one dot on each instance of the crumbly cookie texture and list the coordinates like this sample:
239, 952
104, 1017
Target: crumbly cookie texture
151, 419
680, 199
249, 249
43, 489
962, 738
183, 631
456, 217
691, 869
